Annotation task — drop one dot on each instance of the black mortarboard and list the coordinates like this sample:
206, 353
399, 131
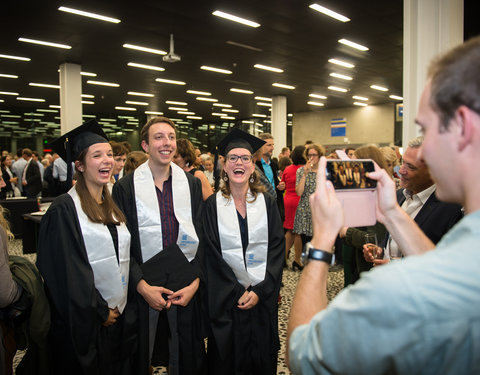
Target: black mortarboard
71, 144
239, 139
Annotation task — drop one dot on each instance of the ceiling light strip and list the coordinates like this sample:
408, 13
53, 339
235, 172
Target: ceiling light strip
44, 43
234, 18
88, 14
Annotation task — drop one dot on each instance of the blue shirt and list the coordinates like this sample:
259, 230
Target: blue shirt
420, 315
267, 169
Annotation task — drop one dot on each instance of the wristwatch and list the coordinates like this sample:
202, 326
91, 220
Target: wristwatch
309, 253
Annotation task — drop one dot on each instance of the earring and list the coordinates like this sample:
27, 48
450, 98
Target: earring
225, 178
252, 179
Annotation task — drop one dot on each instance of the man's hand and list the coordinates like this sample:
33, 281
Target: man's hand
153, 295
113, 314
386, 196
327, 211
368, 253
281, 185
183, 296
248, 300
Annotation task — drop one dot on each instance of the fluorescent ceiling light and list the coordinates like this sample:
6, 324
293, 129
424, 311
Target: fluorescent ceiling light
219, 114
12, 116
88, 74
154, 113
56, 106
88, 96
171, 81
87, 102
264, 104
43, 43
145, 49
360, 104
231, 17
395, 97
236, 44
89, 14
341, 63
270, 68
33, 114
100, 83
125, 108
107, 119
247, 122
195, 92
149, 67
335, 88
241, 91
263, 98
258, 115
9, 93
329, 12
8, 75
317, 96
341, 76
318, 104
177, 108
47, 110
359, 97
135, 103
44, 85
228, 118
206, 99
353, 44
281, 85
175, 102
379, 88
140, 94
11, 57
185, 113
230, 110
30, 99
216, 70
194, 117
222, 105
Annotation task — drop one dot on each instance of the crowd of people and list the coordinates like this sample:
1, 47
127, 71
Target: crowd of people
174, 257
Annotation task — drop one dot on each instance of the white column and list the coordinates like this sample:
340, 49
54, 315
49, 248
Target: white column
430, 27
70, 97
279, 122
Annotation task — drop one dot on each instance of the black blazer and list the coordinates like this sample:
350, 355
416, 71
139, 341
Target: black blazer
8, 187
435, 218
274, 166
34, 179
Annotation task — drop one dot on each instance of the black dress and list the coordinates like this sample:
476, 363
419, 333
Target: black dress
243, 341
78, 342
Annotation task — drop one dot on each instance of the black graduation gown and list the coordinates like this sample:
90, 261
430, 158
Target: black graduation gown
243, 342
170, 269
78, 342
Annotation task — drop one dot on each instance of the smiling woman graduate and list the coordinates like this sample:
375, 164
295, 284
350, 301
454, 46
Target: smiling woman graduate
245, 247
83, 256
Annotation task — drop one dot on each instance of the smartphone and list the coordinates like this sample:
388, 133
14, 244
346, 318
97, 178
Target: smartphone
356, 192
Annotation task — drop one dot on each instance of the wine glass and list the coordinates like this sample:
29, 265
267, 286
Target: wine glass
371, 242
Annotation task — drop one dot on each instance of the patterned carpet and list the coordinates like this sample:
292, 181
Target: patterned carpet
290, 280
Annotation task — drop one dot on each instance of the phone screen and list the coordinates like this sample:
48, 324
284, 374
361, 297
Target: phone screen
350, 174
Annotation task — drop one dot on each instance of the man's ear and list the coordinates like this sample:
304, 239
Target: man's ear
464, 117
144, 146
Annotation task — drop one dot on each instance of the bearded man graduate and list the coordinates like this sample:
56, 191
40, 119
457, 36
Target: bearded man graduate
163, 207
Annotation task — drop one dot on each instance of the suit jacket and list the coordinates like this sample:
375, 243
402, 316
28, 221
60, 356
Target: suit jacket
34, 179
435, 218
274, 166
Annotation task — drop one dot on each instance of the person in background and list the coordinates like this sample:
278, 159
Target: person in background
291, 200
17, 168
10, 189
119, 156
185, 158
208, 164
31, 178
285, 153
94, 327
350, 152
134, 159
244, 265
392, 162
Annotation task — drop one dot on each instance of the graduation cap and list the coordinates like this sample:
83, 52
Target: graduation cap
236, 138
70, 145
239, 139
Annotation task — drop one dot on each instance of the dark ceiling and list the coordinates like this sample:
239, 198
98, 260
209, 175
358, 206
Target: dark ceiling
292, 37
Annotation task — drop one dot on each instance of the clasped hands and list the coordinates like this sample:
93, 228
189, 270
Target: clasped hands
160, 298
248, 300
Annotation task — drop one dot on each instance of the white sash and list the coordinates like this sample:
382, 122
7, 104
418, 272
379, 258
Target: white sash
148, 212
110, 276
231, 240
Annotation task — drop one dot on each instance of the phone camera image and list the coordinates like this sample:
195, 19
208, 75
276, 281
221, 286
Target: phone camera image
350, 174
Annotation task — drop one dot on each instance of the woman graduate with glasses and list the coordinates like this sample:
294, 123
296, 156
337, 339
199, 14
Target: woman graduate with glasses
83, 256
245, 247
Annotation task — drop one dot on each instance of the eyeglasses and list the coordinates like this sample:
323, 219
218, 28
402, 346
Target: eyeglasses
312, 155
244, 158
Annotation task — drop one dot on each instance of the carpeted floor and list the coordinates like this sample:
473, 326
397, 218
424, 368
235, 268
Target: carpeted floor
290, 280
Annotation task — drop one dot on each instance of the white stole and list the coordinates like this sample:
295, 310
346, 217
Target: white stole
249, 271
148, 212
110, 276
